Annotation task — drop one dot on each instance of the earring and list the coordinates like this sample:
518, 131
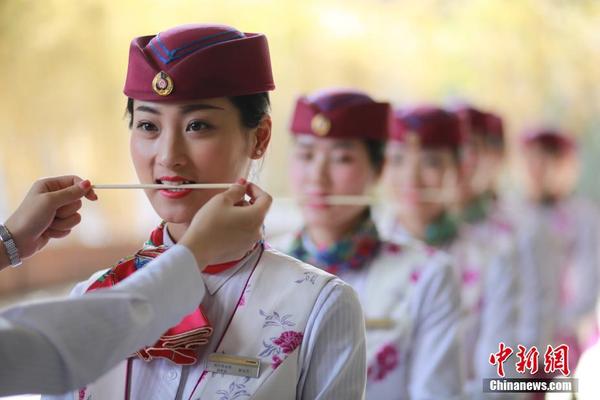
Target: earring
259, 152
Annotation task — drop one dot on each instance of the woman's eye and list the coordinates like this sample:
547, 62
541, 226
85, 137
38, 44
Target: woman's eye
343, 158
433, 162
397, 159
197, 126
146, 126
304, 155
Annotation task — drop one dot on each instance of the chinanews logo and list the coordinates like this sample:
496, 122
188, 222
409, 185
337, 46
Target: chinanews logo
548, 379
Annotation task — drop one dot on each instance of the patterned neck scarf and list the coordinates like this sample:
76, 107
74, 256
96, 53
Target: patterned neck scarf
351, 253
180, 342
441, 231
477, 210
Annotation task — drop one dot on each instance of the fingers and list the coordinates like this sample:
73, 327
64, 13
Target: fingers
235, 193
69, 209
55, 234
86, 185
71, 193
260, 199
91, 195
65, 224
52, 184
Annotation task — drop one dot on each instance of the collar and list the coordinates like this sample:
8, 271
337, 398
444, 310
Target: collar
214, 282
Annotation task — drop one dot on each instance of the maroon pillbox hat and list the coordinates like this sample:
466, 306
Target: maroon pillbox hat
495, 129
341, 113
431, 126
197, 61
475, 121
549, 139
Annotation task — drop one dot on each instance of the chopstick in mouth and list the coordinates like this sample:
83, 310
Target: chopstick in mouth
162, 186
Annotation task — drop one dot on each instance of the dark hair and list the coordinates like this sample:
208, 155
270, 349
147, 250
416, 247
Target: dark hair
376, 153
252, 108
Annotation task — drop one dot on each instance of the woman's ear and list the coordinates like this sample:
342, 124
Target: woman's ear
262, 138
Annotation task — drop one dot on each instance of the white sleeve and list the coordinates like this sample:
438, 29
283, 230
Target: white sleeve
586, 270
499, 323
532, 329
61, 345
333, 361
435, 354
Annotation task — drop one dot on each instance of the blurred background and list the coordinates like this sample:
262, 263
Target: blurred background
63, 62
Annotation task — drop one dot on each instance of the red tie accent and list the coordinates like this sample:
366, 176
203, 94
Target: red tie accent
180, 342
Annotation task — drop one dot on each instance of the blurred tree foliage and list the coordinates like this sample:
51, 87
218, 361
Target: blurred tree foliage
63, 64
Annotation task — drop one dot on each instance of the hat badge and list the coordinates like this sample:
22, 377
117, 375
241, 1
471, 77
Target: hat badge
412, 138
162, 84
320, 125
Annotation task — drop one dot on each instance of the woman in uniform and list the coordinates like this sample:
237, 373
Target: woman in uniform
269, 326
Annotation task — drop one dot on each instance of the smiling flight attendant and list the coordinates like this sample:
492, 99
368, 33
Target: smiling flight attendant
408, 293
269, 326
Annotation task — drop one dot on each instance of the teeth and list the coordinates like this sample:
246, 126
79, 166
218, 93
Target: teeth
175, 183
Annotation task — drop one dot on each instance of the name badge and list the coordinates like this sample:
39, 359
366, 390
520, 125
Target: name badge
379, 323
233, 365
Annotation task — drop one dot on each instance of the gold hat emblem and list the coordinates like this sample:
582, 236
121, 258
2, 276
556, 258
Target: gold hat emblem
162, 84
412, 138
320, 125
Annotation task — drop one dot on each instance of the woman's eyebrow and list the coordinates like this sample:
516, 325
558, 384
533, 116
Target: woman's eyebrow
148, 109
188, 108
343, 144
305, 145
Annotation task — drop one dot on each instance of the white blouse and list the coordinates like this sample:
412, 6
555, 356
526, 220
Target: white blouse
326, 371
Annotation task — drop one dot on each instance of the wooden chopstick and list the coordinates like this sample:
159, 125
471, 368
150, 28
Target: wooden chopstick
337, 200
161, 186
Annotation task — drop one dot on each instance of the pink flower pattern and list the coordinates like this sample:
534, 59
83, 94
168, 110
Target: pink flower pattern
276, 361
393, 248
281, 346
289, 341
385, 362
415, 276
470, 276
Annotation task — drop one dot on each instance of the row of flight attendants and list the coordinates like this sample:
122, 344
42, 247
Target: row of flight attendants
448, 272
436, 297
437, 300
